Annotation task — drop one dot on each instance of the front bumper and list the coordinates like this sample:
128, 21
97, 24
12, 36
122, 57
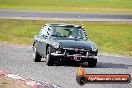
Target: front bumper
75, 57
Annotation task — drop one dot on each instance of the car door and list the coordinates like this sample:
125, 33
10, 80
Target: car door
41, 43
41, 46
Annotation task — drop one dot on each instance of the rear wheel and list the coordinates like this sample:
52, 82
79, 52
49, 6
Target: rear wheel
92, 63
36, 56
49, 58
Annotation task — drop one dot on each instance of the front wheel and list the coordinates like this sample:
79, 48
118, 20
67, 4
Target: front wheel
36, 56
49, 58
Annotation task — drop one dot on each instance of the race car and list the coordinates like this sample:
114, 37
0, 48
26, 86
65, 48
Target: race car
61, 42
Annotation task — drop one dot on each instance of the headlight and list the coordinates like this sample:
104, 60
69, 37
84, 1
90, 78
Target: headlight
94, 47
58, 51
56, 45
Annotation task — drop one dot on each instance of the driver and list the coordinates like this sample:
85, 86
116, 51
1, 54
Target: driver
55, 32
72, 33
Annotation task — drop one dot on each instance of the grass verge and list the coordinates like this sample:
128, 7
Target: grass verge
111, 37
70, 5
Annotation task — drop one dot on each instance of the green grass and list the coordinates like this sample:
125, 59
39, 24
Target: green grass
111, 37
70, 5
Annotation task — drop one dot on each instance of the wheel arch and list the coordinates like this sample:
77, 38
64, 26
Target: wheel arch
47, 48
52, 49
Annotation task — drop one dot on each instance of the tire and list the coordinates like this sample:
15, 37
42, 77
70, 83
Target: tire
36, 56
49, 58
92, 63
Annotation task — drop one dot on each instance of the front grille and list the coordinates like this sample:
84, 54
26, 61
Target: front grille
71, 52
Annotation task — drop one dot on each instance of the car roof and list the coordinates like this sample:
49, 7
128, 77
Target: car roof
63, 24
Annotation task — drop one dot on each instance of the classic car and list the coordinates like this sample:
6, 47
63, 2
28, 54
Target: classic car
61, 42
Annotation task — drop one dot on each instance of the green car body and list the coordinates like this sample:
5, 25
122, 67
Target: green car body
60, 42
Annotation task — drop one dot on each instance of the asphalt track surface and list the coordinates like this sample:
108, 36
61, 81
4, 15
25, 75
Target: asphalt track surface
18, 59
63, 16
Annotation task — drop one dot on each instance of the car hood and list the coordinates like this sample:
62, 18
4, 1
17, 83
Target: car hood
75, 43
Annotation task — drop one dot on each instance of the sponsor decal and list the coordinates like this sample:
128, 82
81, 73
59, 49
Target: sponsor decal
83, 78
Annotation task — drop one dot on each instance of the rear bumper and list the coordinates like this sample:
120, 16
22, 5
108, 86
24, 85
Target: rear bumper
78, 58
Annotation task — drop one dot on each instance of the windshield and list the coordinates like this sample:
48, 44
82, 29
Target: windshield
71, 32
